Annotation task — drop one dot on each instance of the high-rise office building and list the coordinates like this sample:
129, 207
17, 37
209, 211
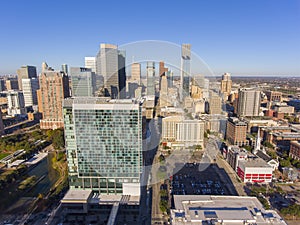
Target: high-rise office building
83, 81
64, 68
136, 72
236, 131
162, 69
163, 92
101, 156
248, 102
30, 86
54, 87
215, 103
107, 66
16, 103
12, 84
150, 78
185, 76
2, 85
226, 84
122, 74
1, 124
90, 62
26, 72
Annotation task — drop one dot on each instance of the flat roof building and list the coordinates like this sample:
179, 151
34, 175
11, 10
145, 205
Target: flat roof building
226, 210
104, 144
236, 131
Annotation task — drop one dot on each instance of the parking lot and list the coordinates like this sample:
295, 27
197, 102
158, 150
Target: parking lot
191, 181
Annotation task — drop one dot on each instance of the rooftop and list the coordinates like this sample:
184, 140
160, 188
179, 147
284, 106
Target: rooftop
203, 209
78, 196
254, 162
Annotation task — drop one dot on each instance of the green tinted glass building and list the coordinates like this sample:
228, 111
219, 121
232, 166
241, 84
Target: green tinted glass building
104, 144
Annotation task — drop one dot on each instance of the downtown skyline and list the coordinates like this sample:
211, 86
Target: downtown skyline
243, 38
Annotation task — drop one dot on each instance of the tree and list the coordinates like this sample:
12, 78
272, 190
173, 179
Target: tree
163, 206
272, 154
268, 144
58, 139
285, 163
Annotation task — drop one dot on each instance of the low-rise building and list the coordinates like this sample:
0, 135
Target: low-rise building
254, 170
87, 207
295, 150
225, 210
234, 155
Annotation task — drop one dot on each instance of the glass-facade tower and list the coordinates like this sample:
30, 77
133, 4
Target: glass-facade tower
104, 144
185, 77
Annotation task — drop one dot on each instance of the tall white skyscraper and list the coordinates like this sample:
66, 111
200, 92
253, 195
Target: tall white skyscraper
248, 102
185, 77
107, 66
151, 78
30, 86
90, 62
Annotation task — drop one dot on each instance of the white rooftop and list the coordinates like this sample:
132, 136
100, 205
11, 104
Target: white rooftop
204, 209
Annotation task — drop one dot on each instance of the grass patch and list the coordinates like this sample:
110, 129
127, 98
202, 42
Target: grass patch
3, 155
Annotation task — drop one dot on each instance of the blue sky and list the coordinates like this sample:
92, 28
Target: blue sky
257, 37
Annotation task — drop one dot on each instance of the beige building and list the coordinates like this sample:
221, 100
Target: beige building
196, 92
26, 72
284, 108
248, 102
163, 91
136, 72
54, 87
176, 129
236, 132
274, 96
215, 103
226, 84
107, 66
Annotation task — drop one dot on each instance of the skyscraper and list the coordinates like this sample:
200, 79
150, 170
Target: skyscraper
64, 68
151, 78
185, 77
12, 84
25, 72
101, 156
226, 84
163, 92
2, 85
83, 81
236, 131
136, 72
107, 66
90, 62
162, 69
215, 103
122, 74
30, 86
54, 87
248, 102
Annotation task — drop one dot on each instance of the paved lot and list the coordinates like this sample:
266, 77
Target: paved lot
190, 180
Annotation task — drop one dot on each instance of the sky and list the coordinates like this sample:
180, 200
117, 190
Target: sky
257, 37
